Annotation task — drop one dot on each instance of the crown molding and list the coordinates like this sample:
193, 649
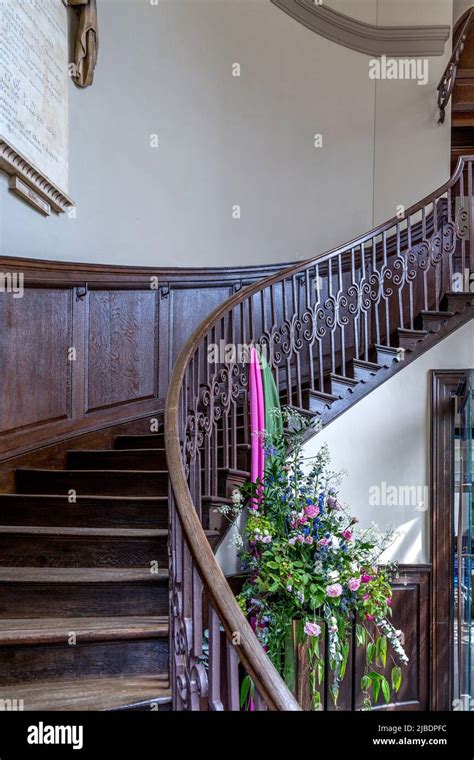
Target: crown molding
396, 41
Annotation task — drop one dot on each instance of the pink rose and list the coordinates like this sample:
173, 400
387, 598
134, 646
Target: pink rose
311, 511
309, 540
335, 589
312, 629
366, 597
324, 542
389, 601
369, 617
347, 535
354, 584
366, 578
300, 539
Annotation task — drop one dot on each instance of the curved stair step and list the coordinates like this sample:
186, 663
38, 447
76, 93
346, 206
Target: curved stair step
148, 441
409, 339
101, 694
93, 482
39, 546
117, 459
387, 355
341, 385
44, 630
27, 592
86, 511
364, 371
433, 321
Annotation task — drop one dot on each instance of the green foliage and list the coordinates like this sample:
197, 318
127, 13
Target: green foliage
308, 562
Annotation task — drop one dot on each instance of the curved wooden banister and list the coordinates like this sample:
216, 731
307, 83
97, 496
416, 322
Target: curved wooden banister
448, 80
314, 317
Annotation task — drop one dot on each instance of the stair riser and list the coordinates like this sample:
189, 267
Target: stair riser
27, 600
142, 442
93, 483
73, 551
92, 659
82, 514
147, 459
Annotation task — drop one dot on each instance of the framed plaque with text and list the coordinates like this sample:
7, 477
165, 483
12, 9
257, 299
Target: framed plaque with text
34, 101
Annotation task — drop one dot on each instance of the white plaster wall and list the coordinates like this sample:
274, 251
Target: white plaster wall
166, 69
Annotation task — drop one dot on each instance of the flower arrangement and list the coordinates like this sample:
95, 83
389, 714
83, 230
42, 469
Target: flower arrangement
308, 562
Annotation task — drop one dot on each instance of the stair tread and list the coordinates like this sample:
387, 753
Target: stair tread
440, 314
114, 452
350, 382
407, 331
363, 363
80, 575
112, 473
80, 498
52, 630
91, 532
322, 395
108, 693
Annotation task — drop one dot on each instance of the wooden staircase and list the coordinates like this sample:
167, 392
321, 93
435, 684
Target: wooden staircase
342, 390
84, 582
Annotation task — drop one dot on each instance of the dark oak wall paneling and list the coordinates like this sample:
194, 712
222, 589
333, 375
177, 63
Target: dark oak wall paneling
126, 326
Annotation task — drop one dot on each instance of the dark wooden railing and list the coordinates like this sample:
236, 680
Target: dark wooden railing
448, 80
311, 320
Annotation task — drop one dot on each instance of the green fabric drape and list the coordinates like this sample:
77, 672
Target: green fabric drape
273, 421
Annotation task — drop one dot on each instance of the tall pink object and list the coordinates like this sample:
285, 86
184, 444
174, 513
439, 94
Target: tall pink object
257, 421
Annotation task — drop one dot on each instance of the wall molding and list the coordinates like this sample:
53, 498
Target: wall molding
396, 41
47, 193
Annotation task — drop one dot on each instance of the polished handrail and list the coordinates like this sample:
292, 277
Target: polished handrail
446, 84
268, 683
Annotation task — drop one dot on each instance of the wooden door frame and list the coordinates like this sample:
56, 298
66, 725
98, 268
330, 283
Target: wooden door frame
444, 384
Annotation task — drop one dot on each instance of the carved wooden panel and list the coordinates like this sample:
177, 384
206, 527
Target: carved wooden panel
122, 349
189, 308
36, 373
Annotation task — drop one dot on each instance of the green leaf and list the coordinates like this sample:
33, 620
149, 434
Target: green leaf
245, 690
396, 678
320, 669
383, 650
365, 683
360, 634
370, 652
385, 690
376, 689
345, 655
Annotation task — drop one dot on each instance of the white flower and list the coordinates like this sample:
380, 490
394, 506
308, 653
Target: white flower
318, 567
334, 543
236, 497
333, 575
237, 541
354, 567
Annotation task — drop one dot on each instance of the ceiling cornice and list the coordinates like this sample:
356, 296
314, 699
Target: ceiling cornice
395, 41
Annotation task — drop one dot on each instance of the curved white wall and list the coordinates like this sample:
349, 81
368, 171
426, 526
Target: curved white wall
167, 69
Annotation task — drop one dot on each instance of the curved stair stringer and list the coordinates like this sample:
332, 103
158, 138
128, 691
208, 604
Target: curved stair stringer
332, 328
